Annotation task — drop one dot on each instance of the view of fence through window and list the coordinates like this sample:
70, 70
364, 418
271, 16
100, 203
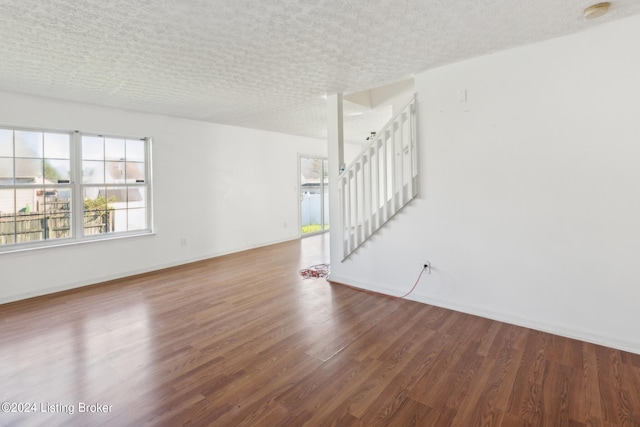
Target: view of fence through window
113, 184
37, 170
35, 195
314, 195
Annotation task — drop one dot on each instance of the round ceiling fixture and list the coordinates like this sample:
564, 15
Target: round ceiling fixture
596, 10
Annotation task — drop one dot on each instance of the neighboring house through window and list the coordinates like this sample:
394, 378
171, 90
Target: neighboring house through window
60, 187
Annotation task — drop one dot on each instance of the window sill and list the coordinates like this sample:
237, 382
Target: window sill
29, 248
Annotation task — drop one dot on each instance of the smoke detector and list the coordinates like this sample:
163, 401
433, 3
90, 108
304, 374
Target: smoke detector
596, 10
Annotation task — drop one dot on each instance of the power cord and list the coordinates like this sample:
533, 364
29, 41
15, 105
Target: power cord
318, 270
426, 267
322, 270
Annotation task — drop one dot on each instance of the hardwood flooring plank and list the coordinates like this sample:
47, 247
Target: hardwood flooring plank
365, 315
509, 339
325, 408
478, 408
526, 401
386, 336
615, 396
386, 404
452, 372
630, 359
392, 366
593, 409
556, 394
412, 413
463, 377
487, 338
495, 381
256, 394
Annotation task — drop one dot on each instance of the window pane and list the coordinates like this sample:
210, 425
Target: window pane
137, 197
117, 207
30, 170
57, 209
6, 143
115, 196
114, 149
56, 145
7, 202
91, 193
135, 150
59, 225
92, 172
135, 172
92, 148
64, 194
7, 217
28, 144
120, 219
6, 170
48, 199
137, 215
115, 172
137, 219
29, 221
25, 200
55, 170
96, 212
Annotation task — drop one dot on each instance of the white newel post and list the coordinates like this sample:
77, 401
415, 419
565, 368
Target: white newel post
335, 149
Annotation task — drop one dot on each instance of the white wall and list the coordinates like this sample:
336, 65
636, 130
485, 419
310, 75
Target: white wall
219, 173
529, 203
353, 149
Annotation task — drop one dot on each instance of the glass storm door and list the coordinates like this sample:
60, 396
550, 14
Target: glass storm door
314, 195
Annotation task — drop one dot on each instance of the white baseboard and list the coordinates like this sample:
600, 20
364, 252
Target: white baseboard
536, 324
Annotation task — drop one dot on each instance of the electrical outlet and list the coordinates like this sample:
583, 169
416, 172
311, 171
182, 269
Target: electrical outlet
427, 266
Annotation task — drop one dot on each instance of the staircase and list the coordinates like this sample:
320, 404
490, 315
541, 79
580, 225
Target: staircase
380, 181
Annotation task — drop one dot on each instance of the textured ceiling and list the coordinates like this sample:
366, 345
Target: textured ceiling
263, 64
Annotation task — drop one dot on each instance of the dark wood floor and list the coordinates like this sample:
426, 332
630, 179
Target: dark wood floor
244, 340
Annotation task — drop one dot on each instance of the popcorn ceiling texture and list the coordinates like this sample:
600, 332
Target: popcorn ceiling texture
261, 64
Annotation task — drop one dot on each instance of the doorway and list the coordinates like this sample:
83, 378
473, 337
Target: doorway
314, 195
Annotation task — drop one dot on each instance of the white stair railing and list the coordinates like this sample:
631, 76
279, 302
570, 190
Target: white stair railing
380, 181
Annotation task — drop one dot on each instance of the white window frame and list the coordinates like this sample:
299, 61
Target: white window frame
77, 187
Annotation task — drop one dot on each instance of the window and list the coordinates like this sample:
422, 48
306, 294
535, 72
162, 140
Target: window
63, 187
114, 184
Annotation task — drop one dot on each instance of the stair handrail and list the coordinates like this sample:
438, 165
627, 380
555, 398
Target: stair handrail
380, 181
